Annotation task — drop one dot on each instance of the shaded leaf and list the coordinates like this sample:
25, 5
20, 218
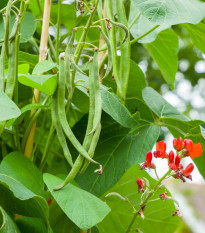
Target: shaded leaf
43, 67
84, 209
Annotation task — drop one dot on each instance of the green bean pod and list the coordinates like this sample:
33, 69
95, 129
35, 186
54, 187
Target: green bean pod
125, 50
92, 148
88, 138
94, 78
59, 131
109, 49
62, 114
120, 25
76, 67
109, 8
69, 50
2, 69
7, 26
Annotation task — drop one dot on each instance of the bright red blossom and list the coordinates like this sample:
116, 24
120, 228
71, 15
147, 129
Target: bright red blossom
178, 144
191, 149
148, 161
188, 170
160, 150
175, 166
140, 185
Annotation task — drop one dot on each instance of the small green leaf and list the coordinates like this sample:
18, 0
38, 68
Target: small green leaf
44, 83
8, 108
160, 106
166, 12
164, 51
19, 167
197, 33
158, 214
8, 225
43, 67
113, 106
84, 209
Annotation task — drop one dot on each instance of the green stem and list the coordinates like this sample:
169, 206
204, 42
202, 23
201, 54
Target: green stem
58, 30
142, 205
134, 20
142, 36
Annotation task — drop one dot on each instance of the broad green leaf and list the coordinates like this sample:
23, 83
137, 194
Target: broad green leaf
197, 33
31, 225
19, 167
8, 108
17, 198
22, 69
160, 106
158, 214
166, 12
137, 105
136, 82
43, 67
164, 51
44, 83
7, 223
118, 149
112, 105
142, 25
28, 27
84, 209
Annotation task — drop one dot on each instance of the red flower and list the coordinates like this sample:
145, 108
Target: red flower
174, 166
191, 149
148, 161
140, 185
160, 150
178, 144
188, 170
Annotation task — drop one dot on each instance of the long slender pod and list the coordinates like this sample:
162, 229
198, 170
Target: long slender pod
88, 138
102, 16
124, 48
2, 68
116, 74
98, 101
62, 113
92, 148
109, 49
69, 52
59, 131
7, 26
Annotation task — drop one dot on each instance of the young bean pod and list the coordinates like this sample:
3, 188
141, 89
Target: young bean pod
62, 113
109, 49
94, 77
68, 52
2, 69
125, 50
92, 148
88, 138
59, 131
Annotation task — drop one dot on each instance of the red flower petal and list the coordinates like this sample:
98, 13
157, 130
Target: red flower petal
171, 157
149, 157
161, 146
196, 150
177, 161
179, 143
188, 170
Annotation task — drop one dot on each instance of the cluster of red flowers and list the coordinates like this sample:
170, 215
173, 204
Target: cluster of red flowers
183, 149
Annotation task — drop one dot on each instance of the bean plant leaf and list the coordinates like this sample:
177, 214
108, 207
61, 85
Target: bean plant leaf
164, 51
83, 208
31, 225
28, 27
7, 223
44, 83
158, 214
8, 108
19, 167
17, 198
160, 106
165, 12
43, 67
142, 25
119, 148
197, 33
